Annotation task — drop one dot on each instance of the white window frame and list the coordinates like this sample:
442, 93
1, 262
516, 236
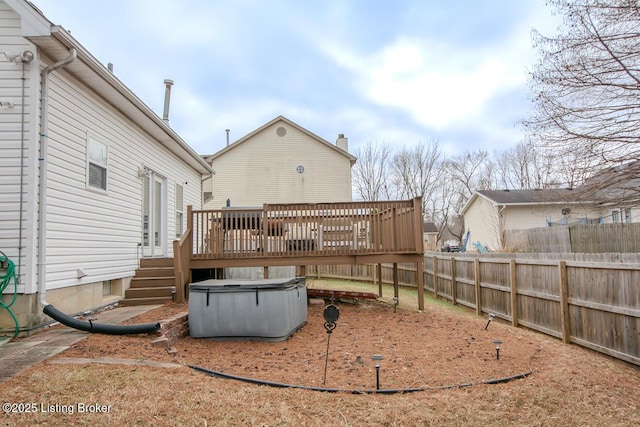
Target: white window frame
616, 217
104, 164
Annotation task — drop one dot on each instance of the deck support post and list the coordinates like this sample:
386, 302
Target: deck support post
266, 272
379, 269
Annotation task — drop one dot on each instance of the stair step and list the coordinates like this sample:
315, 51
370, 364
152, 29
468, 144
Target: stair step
152, 282
149, 292
144, 301
156, 262
155, 272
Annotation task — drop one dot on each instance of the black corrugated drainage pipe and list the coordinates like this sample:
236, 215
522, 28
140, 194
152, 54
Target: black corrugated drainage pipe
99, 328
339, 390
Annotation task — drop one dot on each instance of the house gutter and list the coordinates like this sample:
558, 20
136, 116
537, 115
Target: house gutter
42, 200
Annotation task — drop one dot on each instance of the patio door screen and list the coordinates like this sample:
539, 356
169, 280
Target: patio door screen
154, 213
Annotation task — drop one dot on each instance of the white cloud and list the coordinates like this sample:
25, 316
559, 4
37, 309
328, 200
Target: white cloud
437, 85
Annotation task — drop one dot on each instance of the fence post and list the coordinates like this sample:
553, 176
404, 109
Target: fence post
476, 273
564, 302
435, 277
454, 284
420, 281
395, 280
514, 292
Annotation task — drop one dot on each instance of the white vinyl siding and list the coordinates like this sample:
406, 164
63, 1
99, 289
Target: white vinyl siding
264, 169
99, 231
17, 152
482, 221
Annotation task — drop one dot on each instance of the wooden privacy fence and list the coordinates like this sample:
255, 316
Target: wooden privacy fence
576, 238
595, 305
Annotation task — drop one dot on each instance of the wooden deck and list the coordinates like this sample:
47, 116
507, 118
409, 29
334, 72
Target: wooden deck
301, 235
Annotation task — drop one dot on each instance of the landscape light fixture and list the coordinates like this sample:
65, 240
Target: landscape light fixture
377, 358
331, 314
497, 344
491, 317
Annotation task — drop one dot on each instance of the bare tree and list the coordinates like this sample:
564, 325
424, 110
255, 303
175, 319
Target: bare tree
417, 172
524, 167
370, 173
467, 172
587, 87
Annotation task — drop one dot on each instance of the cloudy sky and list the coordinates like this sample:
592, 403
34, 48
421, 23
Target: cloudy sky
395, 72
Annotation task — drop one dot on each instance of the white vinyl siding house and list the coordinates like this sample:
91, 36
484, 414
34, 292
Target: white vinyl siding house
280, 162
103, 148
18, 158
489, 213
100, 230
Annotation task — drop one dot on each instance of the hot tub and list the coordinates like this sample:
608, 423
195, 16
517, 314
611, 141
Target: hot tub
265, 310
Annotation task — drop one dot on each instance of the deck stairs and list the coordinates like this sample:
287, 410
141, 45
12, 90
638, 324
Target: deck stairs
154, 283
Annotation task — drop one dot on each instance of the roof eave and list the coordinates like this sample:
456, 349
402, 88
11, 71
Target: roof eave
352, 158
122, 97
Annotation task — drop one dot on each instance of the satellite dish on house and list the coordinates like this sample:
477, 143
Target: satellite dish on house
566, 211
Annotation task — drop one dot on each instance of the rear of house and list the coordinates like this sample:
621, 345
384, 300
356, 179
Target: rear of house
116, 179
280, 162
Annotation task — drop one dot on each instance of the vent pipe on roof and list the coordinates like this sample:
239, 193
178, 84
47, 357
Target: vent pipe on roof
110, 67
167, 99
227, 131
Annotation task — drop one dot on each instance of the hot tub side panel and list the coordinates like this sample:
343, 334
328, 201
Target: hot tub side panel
245, 312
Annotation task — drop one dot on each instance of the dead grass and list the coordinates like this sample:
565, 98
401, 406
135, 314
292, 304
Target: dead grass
443, 346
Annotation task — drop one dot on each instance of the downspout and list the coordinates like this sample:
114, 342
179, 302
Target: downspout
22, 134
42, 200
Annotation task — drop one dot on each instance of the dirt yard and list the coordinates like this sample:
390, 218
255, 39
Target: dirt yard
439, 350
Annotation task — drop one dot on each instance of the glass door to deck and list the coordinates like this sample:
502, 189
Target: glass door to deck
154, 214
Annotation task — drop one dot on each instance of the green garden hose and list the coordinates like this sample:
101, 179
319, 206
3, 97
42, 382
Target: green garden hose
5, 281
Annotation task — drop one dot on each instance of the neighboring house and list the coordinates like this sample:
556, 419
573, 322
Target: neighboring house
488, 213
617, 192
107, 183
280, 162
430, 236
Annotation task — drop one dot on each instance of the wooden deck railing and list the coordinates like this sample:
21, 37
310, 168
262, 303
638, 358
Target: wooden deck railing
303, 234
307, 230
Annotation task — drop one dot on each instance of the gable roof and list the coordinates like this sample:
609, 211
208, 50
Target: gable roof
429, 227
352, 158
55, 42
528, 197
616, 184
